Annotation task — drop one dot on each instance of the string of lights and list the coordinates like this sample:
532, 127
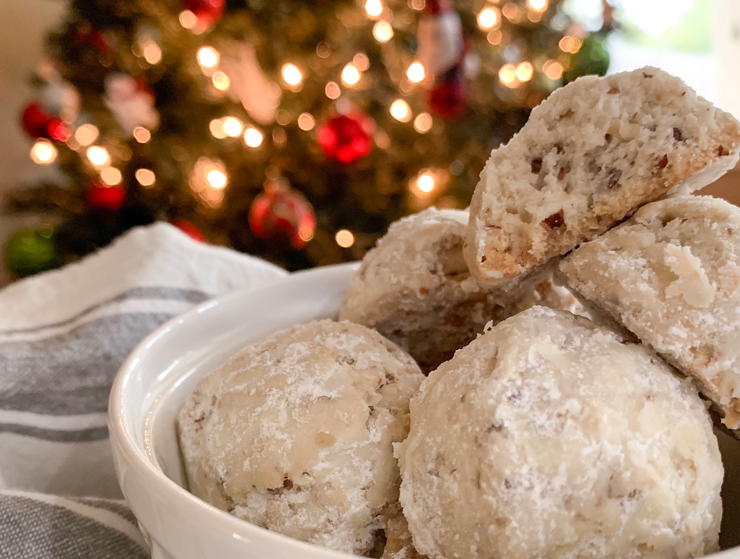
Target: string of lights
226, 104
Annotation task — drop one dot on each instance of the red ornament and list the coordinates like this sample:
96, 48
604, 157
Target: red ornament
282, 214
88, 36
38, 123
189, 229
347, 138
448, 98
208, 12
109, 198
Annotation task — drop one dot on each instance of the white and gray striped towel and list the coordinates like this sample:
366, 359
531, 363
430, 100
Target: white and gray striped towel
63, 336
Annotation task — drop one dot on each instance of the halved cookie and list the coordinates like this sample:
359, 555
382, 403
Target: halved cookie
589, 156
671, 275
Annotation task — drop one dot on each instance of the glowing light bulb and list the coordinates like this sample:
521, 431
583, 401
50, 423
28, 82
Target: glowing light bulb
400, 110
361, 61
208, 58
350, 75
291, 74
216, 179
216, 127
332, 90
344, 238
86, 134
374, 8
512, 12
98, 156
524, 71
537, 5
208, 181
553, 69
570, 44
423, 123
142, 135
111, 176
145, 177
43, 152
253, 137
507, 74
233, 127
488, 18
306, 121
152, 52
305, 232
425, 182
382, 31
494, 37
188, 19
415, 72
220, 81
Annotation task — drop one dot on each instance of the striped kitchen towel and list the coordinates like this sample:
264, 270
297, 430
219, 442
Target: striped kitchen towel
63, 336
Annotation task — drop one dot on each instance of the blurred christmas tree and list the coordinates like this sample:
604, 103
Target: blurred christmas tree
293, 130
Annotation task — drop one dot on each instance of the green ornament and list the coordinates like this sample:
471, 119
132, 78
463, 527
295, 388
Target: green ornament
591, 58
30, 251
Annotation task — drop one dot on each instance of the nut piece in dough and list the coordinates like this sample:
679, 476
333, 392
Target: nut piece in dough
671, 275
590, 155
295, 434
550, 437
415, 289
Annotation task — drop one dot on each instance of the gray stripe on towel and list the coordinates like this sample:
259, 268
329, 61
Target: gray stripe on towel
71, 374
31, 529
117, 507
57, 435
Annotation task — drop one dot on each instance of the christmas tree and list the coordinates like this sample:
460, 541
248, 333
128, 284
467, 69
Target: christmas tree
292, 130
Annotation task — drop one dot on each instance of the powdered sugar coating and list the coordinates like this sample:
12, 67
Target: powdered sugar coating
549, 437
671, 275
295, 433
415, 289
590, 155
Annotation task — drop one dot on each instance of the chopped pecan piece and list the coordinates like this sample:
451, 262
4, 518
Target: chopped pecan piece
663, 163
614, 176
555, 222
678, 135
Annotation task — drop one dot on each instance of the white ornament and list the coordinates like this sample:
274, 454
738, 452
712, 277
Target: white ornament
60, 98
440, 42
248, 83
131, 105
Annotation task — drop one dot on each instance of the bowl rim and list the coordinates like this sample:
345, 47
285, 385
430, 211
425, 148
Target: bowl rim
135, 454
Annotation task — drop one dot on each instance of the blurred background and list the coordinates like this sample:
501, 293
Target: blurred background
297, 130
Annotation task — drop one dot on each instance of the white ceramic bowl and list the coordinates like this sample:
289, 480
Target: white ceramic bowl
162, 372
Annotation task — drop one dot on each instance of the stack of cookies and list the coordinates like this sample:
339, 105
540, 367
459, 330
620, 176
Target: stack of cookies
575, 325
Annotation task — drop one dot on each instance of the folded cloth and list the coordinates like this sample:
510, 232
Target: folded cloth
63, 336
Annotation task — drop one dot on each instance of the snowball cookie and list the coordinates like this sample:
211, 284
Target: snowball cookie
295, 433
415, 289
592, 153
671, 275
550, 437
